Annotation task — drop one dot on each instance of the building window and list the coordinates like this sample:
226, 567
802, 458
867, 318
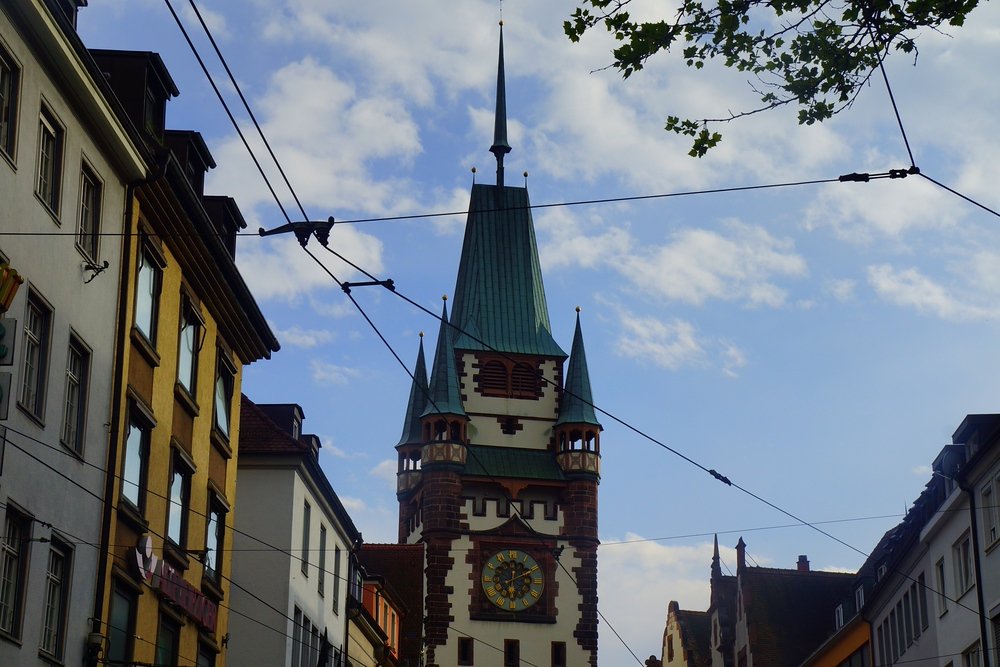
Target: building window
10, 80
223, 395
336, 580
859, 598
922, 595
180, 497
37, 332
75, 408
882, 659
206, 656
90, 212
215, 540
147, 295
466, 652
894, 636
297, 638
559, 653
511, 653
962, 551
13, 570
838, 616
167, 640
941, 582
507, 379
907, 619
56, 600
134, 462
972, 656
191, 338
306, 518
50, 146
991, 511
321, 574
121, 626
914, 610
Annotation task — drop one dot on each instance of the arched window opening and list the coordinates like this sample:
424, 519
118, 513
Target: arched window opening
524, 381
440, 429
493, 379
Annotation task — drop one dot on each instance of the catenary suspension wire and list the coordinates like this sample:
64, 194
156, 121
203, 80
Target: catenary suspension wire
225, 106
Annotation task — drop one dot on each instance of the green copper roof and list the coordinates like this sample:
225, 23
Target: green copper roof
445, 397
418, 400
577, 404
489, 461
499, 291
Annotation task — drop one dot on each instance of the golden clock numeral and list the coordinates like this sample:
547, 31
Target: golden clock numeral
490, 592
526, 602
489, 565
500, 557
536, 580
534, 593
532, 569
512, 555
513, 604
487, 580
500, 601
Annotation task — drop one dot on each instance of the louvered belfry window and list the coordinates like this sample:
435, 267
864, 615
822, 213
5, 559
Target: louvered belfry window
505, 378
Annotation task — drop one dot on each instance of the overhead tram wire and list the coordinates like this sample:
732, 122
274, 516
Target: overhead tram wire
232, 118
718, 476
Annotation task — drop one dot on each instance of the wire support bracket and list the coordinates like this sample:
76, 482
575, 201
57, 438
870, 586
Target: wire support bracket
303, 229
864, 177
388, 284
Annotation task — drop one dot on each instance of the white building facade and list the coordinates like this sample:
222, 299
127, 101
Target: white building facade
66, 165
292, 546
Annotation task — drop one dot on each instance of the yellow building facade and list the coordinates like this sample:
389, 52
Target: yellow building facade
188, 324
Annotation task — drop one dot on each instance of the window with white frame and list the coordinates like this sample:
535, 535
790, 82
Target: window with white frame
190, 344
10, 80
75, 404
215, 539
56, 599
942, 586
859, 598
990, 498
13, 570
972, 656
34, 368
180, 496
224, 379
962, 553
321, 573
134, 462
49, 158
147, 294
306, 519
336, 579
838, 616
89, 224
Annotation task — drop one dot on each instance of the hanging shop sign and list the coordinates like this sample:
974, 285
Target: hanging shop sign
172, 585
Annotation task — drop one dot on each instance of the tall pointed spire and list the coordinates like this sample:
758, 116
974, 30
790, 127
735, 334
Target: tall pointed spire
500, 146
445, 397
418, 401
716, 568
577, 406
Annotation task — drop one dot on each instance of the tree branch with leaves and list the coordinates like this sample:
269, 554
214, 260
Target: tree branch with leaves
815, 54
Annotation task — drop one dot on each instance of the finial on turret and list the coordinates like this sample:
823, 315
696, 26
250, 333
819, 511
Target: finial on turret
444, 297
500, 146
421, 334
578, 309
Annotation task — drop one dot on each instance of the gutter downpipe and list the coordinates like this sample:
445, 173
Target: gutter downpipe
974, 527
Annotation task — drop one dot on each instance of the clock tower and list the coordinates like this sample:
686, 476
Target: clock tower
499, 459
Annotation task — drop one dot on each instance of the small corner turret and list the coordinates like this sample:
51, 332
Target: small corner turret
577, 432
444, 421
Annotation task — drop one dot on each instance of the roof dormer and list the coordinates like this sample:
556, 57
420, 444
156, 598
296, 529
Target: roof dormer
142, 84
191, 151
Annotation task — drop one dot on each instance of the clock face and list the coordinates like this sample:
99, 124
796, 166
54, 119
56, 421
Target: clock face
512, 580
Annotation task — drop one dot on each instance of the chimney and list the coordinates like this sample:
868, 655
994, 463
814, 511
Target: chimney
803, 564
741, 555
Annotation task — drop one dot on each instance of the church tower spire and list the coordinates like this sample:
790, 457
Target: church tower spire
500, 146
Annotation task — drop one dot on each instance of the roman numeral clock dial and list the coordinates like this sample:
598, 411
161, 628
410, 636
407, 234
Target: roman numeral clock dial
512, 580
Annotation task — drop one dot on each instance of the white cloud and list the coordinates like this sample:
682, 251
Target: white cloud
296, 336
327, 373
922, 471
215, 21
386, 471
352, 504
733, 359
670, 345
331, 449
910, 288
842, 289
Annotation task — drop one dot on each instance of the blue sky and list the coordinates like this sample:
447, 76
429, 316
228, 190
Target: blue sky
817, 345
